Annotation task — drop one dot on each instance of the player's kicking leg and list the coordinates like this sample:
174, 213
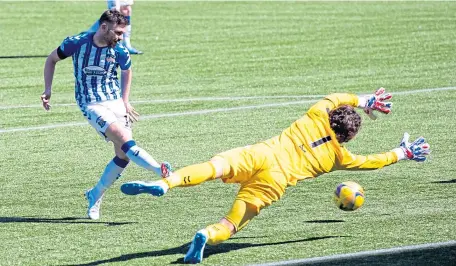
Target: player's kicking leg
156, 188
108, 118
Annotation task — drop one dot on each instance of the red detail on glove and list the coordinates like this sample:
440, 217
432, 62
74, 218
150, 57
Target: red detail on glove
164, 170
408, 153
379, 106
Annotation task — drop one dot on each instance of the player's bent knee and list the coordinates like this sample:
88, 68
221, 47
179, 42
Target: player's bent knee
229, 225
118, 134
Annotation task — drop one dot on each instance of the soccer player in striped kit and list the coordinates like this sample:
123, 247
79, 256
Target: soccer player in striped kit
124, 6
102, 99
310, 147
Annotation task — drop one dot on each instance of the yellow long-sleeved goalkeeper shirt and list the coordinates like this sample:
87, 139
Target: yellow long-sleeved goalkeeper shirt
309, 148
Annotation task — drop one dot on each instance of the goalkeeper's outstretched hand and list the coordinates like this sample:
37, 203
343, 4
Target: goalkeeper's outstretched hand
376, 102
417, 150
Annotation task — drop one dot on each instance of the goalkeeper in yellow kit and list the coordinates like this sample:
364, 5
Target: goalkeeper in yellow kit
311, 146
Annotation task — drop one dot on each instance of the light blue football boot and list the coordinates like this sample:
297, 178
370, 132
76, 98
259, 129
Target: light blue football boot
156, 188
195, 253
93, 209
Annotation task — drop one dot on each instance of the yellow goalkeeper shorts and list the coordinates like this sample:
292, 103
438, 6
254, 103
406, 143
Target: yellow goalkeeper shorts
256, 169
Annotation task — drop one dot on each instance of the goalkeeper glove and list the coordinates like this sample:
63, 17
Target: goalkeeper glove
417, 150
377, 102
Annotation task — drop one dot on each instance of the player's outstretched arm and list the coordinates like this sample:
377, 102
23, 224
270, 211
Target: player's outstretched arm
49, 69
369, 103
376, 102
417, 150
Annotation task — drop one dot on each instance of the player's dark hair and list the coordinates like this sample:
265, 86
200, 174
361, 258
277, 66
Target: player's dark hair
113, 17
345, 122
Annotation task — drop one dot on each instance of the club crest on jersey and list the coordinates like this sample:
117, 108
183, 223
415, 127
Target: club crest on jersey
110, 58
94, 71
101, 122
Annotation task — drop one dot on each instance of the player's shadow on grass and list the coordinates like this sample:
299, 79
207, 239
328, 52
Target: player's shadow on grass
445, 181
22, 56
210, 250
64, 220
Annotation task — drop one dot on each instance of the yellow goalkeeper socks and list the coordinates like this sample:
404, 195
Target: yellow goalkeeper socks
217, 233
191, 175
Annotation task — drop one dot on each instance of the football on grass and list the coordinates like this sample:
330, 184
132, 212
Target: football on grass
349, 196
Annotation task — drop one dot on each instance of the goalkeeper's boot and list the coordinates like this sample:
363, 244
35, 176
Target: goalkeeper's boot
165, 168
195, 252
93, 210
155, 188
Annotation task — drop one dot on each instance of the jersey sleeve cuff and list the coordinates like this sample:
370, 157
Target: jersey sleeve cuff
61, 54
362, 101
400, 154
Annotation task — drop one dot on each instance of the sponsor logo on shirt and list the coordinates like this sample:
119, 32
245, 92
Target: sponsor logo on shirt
94, 71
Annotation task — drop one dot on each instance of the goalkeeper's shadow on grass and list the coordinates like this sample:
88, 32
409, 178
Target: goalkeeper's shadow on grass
227, 247
210, 250
63, 220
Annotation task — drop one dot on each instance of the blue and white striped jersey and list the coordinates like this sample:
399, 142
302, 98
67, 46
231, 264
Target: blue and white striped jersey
95, 68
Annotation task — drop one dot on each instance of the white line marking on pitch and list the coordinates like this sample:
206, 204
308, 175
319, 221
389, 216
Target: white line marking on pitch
335, 259
207, 111
147, 117
234, 98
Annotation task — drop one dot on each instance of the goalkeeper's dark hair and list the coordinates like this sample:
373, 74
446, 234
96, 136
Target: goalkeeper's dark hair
345, 122
113, 17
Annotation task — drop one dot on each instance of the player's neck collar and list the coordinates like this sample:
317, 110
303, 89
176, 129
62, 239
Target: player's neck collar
96, 41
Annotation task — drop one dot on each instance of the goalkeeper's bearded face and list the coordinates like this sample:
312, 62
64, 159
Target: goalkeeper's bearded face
345, 122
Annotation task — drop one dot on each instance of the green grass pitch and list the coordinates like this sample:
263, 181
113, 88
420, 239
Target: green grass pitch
226, 49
